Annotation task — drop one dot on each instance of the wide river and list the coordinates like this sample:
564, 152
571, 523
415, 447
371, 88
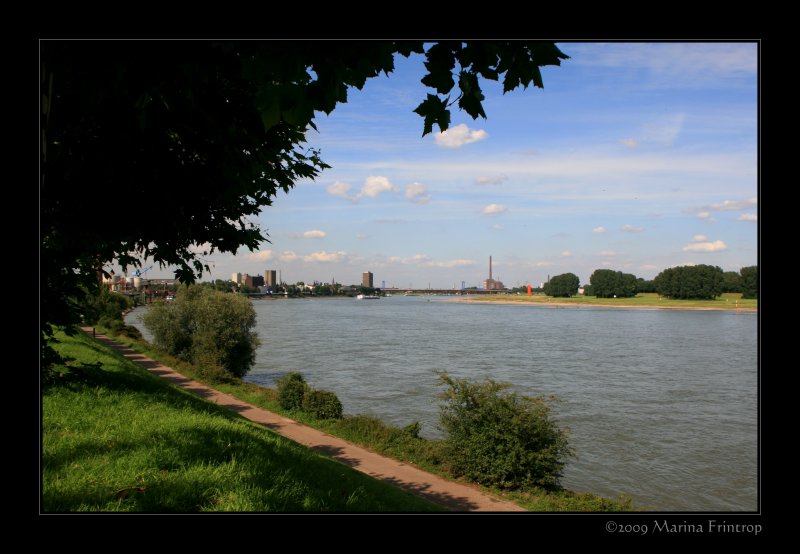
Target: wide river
661, 404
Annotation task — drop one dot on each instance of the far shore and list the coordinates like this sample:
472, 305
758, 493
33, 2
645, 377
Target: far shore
557, 304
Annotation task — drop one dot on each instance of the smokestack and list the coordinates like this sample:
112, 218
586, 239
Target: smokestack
490, 267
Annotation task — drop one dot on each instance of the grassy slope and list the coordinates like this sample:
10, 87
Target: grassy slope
115, 438
387, 440
644, 300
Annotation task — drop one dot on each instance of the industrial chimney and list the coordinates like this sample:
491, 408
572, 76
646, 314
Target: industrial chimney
490, 267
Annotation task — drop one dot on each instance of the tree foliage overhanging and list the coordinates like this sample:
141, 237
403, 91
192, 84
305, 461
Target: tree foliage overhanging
166, 149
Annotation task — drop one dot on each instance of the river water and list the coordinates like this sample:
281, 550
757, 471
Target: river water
661, 404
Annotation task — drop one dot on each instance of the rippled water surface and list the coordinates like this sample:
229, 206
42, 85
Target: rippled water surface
661, 404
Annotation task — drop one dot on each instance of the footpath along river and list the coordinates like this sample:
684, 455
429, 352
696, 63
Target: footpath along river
661, 404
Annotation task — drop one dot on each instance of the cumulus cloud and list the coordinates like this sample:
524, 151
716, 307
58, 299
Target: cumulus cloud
608, 253
543, 264
706, 246
630, 143
341, 190
632, 229
325, 257
288, 256
491, 180
362, 236
748, 217
314, 234
599, 230
705, 215
494, 209
262, 256
417, 193
734, 205
373, 186
699, 238
458, 136
566, 253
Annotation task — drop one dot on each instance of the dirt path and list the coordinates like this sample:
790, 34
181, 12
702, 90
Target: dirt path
452, 495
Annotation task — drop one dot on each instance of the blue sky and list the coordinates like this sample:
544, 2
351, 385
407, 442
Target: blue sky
634, 157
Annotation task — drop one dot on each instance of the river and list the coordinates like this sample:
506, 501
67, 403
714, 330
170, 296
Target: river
661, 404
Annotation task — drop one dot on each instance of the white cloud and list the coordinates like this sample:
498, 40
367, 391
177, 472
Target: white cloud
288, 256
341, 189
458, 136
262, 255
566, 253
748, 217
494, 209
648, 267
599, 230
699, 238
314, 234
325, 257
716, 246
374, 185
607, 253
705, 215
362, 236
606, 263
452, 263
417, 193
630, 143
497, 227
543, 264
734, 205
632, 229
491, 180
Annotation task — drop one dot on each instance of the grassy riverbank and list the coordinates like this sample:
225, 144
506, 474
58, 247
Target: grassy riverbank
115, 438
730, 301
386, 439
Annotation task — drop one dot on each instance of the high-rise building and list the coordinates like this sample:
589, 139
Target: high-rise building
236, 278
253, 281
366, 279
270, 278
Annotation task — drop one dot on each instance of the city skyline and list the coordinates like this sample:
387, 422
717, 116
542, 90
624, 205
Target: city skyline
635, 157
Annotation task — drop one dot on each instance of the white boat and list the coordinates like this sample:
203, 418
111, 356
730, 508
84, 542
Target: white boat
367, 297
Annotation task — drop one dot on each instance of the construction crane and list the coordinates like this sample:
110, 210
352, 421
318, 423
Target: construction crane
140, 272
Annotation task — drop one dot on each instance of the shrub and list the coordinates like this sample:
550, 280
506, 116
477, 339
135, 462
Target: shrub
496, 437
322, 404
207, 328
292, 389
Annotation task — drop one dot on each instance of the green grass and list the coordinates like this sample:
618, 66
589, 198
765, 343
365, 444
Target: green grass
727, 301
116, 438
388, 440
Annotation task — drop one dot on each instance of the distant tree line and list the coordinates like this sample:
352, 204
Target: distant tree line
697, 282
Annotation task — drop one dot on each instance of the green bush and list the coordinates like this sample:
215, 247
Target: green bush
207, 328
499, 438
292, 389
322, 404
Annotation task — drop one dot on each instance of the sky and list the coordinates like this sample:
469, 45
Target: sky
634, 157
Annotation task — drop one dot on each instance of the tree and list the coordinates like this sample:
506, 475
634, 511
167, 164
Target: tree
643, 285
208, 328
607, 283
217, 129
564, 285
698, 282
731, 282
749, 281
